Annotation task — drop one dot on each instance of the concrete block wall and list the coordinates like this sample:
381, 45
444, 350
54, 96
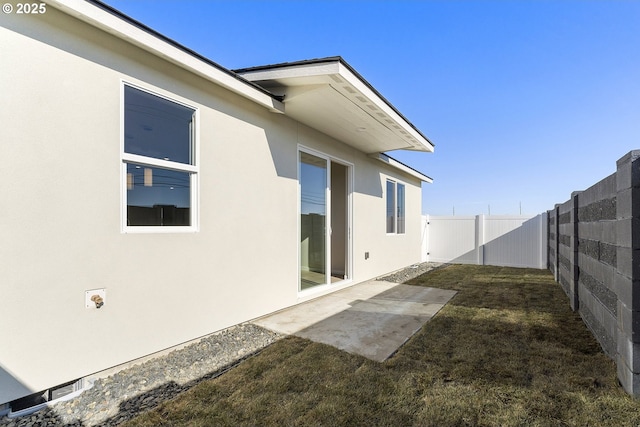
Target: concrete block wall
627, 275
567, 249
594, 253
552, 242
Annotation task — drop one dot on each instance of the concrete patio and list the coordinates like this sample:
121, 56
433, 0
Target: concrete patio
372, 319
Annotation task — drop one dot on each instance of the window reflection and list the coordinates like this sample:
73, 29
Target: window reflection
313, 216
395, 208
391, 203
401, 215
158, 191
156, 127
157, 196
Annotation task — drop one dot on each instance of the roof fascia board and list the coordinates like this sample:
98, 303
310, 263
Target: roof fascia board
367, 90
291, 71
109, 20
401, 166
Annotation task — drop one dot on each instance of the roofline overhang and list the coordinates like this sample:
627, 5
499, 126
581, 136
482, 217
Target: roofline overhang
390, 161
337, 66
112, 21
104, 17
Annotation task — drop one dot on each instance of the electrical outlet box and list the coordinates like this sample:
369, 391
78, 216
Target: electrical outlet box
88, 303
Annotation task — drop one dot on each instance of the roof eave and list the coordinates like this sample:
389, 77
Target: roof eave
110, 20
357, 79
338, 69
390, 161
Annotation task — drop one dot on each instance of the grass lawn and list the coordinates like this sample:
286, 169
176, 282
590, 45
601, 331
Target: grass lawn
506, 351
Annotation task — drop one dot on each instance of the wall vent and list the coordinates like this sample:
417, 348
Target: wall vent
36, 401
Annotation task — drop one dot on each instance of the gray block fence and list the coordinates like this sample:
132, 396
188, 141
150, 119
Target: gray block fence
594, 253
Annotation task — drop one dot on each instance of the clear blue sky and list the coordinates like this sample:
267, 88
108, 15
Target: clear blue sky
526, 101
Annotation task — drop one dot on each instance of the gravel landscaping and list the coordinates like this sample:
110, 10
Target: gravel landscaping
125, 394
411, 272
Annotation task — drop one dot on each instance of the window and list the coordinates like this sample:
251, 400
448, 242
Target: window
159, 161
395, 207
400, 208
391, 206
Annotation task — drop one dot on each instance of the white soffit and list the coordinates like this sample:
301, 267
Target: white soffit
107, 19
401, 166
328, 95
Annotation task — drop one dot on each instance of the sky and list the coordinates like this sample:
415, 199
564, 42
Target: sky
525, 101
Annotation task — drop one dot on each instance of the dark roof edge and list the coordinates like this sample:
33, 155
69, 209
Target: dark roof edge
177, 45
349, 67
290, 64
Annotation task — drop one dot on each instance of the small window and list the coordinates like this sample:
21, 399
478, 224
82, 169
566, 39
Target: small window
395, 207
391, 206
400, 209
159, 160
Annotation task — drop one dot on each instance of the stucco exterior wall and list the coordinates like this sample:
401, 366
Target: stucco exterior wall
60, 227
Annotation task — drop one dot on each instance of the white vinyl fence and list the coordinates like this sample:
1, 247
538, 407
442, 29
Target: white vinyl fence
510, 241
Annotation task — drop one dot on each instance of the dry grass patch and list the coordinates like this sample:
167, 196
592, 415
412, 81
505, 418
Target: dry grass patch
506, 351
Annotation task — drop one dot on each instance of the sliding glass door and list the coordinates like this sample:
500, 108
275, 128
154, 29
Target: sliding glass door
313, 220
324, 220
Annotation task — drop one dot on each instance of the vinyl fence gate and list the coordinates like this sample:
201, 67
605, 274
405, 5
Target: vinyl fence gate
508, 241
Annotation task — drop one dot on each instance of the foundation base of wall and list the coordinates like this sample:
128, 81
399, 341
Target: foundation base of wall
629, 381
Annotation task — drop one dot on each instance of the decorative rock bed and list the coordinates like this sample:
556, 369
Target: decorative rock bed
123, 395
411, 272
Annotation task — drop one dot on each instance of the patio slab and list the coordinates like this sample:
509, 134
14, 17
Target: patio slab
372, 319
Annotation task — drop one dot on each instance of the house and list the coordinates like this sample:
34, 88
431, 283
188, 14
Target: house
151, 196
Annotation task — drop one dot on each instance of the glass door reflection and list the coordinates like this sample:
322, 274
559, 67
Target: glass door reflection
313, 221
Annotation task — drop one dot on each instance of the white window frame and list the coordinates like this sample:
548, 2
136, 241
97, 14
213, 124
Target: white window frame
193, 169
396, 217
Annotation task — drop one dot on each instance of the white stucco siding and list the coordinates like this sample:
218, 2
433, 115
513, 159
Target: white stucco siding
387, 252
57, 207
60, 222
